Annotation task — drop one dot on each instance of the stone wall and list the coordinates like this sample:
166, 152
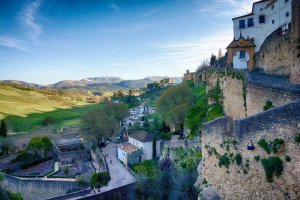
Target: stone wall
276, 54
295, 72
232, 88
33, 189
242, 182
245, 93
257, 95
280, 55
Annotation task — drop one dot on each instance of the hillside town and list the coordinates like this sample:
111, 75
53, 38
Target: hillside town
229, 130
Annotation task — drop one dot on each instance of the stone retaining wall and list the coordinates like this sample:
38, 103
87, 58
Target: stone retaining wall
37, 189
242, 182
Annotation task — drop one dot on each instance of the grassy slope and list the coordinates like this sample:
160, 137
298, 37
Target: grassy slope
27, 109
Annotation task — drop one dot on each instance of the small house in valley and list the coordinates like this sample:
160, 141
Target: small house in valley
138, 148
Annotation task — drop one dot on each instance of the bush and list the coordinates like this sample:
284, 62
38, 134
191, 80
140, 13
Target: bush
288, 158
263, 144
272, 165
276, 143
48, 121
100, 179
257, 158
224, 161
268, 105
297, 138
238, 159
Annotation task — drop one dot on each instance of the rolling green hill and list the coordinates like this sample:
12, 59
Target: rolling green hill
25, 109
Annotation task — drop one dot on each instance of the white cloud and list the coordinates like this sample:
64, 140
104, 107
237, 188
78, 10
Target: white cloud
191, 53
150, 12
127, 29
227, 8
114, 7
28, 17
12, 43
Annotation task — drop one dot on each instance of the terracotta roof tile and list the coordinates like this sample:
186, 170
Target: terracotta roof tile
127, 147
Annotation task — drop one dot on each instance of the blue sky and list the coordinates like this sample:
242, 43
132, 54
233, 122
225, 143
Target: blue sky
45, 41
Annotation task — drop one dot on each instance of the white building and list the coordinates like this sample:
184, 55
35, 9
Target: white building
266, 17
138, 148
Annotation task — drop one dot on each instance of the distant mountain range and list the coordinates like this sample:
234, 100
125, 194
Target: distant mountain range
96, 83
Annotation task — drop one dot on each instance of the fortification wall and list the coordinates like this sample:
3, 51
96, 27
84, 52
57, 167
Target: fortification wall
295, 72
257, 95
38, 189
232, 89
276, 54
248, 181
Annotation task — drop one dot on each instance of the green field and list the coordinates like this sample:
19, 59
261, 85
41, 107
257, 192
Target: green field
62, 118
24, 110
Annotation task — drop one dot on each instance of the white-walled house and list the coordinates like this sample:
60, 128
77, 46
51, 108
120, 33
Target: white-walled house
266, 17
138, 148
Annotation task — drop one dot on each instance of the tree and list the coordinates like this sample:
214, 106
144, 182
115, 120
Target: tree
174, 104
130, 92
100, 125
3, 129
213, 60
154, 147
116, 111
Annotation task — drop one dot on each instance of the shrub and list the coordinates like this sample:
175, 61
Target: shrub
276, 143
288, 158
257, 158
268, 105
297, 138
272, 165
48, 121
224, 161
238, 159
263, 144
100, 179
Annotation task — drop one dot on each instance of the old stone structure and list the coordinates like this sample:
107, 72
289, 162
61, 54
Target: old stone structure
242, 44
245, 94
295, 71
277, 45
232, 89
228, 137
189, 76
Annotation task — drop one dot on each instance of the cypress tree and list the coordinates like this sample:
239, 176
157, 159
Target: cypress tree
154, 147
3, 129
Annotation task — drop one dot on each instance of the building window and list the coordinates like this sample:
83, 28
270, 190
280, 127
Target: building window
261, 9
287, 14
262, 19
242, 23
250, 22
286, 1
272, 7
242, 54
273, 21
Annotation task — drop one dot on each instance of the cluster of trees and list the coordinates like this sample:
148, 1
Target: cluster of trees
174, 104
38, 148
165, 180
105, 123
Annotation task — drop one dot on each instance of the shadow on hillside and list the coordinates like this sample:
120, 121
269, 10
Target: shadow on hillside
61, 116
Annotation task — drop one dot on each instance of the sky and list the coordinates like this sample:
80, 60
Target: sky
46, 41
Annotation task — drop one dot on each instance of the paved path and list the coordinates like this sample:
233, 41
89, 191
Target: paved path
119, 175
